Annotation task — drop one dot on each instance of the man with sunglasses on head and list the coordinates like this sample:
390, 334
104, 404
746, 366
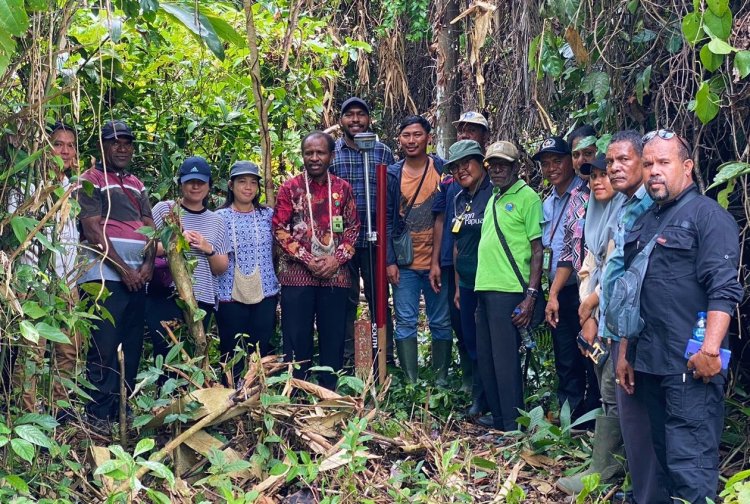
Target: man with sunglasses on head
692, 268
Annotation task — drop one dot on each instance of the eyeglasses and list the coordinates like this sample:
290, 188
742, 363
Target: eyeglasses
666, 134
462, 165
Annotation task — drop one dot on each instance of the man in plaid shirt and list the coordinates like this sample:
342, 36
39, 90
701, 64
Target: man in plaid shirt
348, 163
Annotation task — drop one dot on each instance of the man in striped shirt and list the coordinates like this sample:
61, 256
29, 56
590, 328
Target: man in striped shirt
119, 260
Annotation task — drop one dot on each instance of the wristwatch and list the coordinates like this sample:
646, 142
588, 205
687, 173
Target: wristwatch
534, 293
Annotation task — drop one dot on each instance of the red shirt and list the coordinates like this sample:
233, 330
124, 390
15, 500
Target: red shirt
293, 230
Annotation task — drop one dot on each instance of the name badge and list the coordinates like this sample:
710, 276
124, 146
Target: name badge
457, 225
338, 224
547, 259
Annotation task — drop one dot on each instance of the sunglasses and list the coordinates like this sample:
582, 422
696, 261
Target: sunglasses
666, 134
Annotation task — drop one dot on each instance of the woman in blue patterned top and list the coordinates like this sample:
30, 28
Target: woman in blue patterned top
248, 226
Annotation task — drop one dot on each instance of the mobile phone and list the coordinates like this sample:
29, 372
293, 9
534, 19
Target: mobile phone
694, 346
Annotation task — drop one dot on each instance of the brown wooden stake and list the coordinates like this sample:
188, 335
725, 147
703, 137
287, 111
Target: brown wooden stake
123, 398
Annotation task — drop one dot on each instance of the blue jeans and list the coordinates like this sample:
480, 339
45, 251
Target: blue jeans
406, 296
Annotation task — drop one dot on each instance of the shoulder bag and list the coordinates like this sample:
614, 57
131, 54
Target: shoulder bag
246, 289
623, 315
402, 244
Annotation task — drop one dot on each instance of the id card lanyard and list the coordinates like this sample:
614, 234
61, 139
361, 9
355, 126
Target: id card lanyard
547, 252
458, 220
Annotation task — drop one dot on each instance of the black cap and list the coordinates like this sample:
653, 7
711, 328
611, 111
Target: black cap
244, 168
355, 101
194, 168
116, 129
599, 162
552, 145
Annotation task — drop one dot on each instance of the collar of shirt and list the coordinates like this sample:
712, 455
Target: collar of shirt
517, 185
658, 209
575, 183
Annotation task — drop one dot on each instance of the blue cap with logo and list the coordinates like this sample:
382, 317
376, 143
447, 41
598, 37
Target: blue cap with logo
194, 168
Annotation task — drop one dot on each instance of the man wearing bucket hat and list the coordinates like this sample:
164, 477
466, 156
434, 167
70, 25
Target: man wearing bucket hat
110, 217
509, 259
466, 200
557, 167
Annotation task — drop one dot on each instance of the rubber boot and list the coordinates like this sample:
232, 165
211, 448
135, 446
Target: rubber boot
467, 380
607, 444
442, 355
407, 358
478, 402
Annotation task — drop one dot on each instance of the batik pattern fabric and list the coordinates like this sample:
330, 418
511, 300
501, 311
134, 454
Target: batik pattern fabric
574, 244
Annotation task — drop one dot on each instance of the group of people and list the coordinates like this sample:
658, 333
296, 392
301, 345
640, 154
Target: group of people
466, 234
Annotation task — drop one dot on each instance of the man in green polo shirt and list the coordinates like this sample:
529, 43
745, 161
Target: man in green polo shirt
506, 287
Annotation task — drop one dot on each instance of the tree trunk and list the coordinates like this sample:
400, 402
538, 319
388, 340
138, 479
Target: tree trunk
446, 95
260, 104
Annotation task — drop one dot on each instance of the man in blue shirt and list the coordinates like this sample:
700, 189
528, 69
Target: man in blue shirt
348, 163
576, 380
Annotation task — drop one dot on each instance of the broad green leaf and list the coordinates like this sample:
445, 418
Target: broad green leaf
691, 28
44, 421
28, 331
149, 6
279, 469
643, 84
599, 84
159, 469
33, 310
633, 6
534, 52
718, 7
730, 171
484, 463
711, 61
36, 5
718, 46
706, 103
21, 227
203, 29
226, 31
143, 446
51, 333
23, 449
23, 163
157, 497
742, 63
33, 435
603, 142
17, 483
585, 142
722, 198
718, 26
108, 467
13, 18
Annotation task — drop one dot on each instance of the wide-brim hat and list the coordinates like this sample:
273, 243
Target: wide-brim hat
461, 150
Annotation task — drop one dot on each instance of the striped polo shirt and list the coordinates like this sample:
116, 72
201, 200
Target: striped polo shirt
211, 226
120, 202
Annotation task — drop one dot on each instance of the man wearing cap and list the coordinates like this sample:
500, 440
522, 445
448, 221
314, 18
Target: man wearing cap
64, 234
348, 163
507, 282
119, 260
470, 126
557, 167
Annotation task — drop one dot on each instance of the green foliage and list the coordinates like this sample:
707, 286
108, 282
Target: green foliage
416, 15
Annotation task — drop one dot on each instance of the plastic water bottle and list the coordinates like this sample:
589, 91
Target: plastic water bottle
527, 342
699, 329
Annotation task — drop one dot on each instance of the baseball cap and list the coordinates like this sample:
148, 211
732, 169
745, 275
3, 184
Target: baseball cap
244, 168
502, 150
461, 150
552, 145
116, 129
354, 100
473, 118
194, 168
599, 162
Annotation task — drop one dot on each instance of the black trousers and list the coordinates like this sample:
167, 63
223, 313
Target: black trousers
687, 418
359, 266
576, 380
498, 360
450, 273
103, 371
161, 305
246, 326
303, 308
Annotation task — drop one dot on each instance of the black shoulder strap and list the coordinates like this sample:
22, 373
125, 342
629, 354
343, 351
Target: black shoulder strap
419, 188
504, 243
685, 199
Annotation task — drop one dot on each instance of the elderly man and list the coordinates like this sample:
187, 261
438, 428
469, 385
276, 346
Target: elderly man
349, 164
316, 225
120, 261
576, 379
692, 268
